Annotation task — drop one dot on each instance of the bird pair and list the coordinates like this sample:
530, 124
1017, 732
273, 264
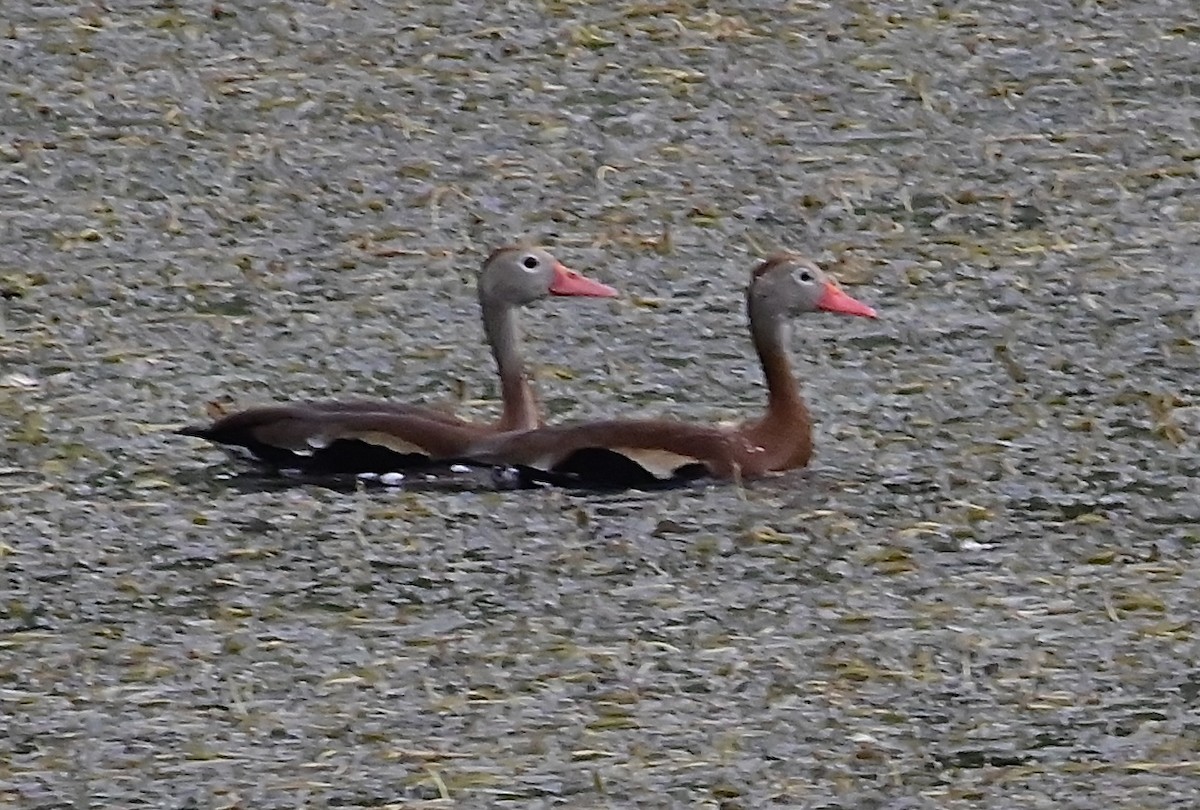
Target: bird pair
378, 437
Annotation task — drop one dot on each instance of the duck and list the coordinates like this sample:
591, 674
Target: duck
366, 436
652, 453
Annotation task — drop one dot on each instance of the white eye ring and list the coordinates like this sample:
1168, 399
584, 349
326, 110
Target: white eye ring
531, 263
806, 276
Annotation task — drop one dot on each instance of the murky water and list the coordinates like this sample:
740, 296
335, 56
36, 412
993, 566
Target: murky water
981, 594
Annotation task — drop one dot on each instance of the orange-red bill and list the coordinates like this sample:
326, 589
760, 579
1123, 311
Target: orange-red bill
835, 300
568, 282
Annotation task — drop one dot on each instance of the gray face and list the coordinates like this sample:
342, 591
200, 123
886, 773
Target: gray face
517, 276
789, 286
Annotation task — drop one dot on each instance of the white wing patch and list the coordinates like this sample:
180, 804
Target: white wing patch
389, 440
659, 463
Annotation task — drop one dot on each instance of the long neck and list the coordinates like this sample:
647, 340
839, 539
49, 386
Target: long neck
770, 332
785, 430
520, 408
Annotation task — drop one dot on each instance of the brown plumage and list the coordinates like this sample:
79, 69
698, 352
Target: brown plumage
373, 436
649, 452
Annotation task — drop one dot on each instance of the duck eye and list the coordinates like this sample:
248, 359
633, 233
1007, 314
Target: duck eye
530, 262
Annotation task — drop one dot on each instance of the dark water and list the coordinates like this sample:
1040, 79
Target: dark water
981, 594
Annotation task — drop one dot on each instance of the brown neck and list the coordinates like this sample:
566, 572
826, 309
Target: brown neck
784, 431
770, 333
520, 408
